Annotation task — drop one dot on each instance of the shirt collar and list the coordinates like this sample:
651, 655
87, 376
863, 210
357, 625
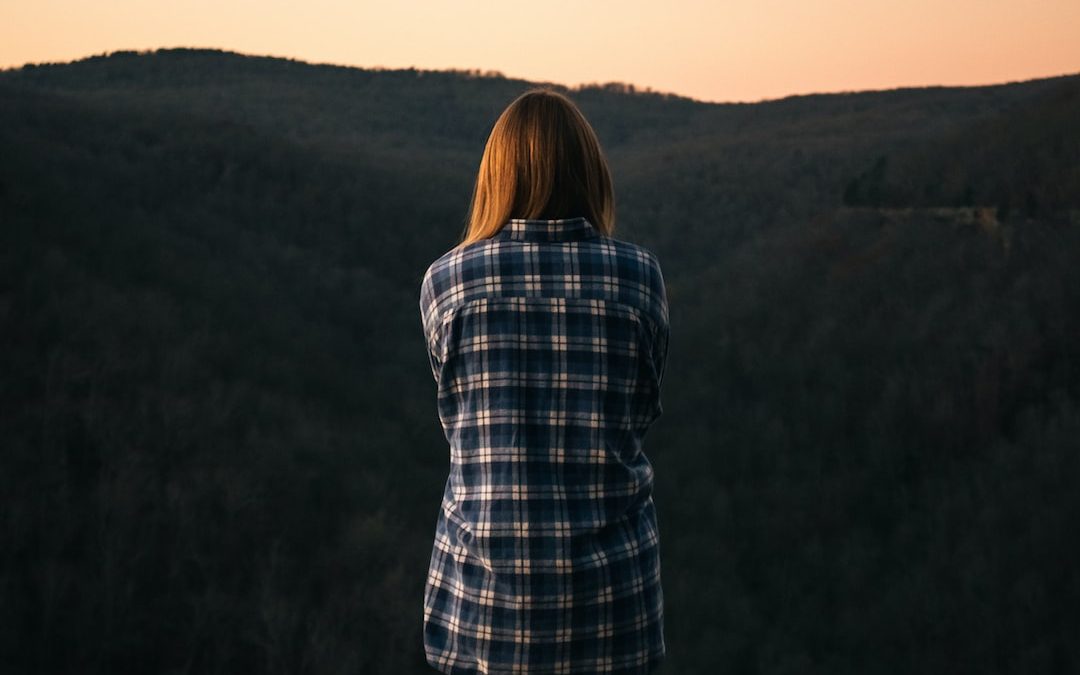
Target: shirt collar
557, 229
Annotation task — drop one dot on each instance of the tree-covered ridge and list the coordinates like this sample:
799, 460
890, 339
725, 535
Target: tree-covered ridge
220, 448
1025, 160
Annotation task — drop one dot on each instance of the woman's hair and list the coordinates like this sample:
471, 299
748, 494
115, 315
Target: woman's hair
542, 161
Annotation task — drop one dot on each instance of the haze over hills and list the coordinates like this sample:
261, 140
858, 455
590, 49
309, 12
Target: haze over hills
220, 445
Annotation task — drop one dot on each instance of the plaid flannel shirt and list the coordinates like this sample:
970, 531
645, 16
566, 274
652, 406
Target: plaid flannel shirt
547, 343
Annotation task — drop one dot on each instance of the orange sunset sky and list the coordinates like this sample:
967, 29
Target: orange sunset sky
713, 51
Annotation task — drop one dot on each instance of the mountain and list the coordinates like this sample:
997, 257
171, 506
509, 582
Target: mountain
220, 445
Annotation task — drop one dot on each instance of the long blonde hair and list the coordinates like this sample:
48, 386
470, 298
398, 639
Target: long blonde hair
542, 160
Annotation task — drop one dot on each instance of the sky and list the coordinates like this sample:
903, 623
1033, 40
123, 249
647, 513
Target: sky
716, 50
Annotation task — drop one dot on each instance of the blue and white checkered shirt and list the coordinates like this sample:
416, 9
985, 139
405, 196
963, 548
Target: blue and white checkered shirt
547, 343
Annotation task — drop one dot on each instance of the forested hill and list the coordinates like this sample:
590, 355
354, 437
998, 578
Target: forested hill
678, 158
220, 446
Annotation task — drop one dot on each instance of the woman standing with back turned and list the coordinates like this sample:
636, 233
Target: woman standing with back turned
547, 339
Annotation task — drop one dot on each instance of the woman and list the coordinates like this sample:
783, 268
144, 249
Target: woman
547, 339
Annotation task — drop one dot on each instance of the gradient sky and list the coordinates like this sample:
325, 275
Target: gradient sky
710, 50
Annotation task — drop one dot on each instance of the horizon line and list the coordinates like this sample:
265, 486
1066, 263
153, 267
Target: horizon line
635, 89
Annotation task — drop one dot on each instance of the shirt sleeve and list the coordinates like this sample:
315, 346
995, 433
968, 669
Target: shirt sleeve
429, 319
660, 351
663, 326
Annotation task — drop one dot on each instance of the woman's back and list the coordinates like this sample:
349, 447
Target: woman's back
548, 343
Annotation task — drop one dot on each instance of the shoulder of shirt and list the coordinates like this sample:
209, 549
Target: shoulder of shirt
437, 276
655, 279
460, 254
630, 246
438, 280
442, 264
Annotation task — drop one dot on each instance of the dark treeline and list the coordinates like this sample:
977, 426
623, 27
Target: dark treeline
1027, 160
220, 447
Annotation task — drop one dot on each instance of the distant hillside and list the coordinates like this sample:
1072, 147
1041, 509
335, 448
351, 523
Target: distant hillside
1027, 159
221, 451
747, 165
